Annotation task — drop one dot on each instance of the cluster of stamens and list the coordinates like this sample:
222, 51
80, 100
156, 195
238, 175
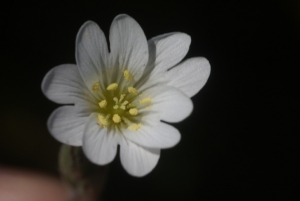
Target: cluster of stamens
120, 107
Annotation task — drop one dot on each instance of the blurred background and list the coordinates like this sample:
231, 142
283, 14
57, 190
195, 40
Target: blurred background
238, 142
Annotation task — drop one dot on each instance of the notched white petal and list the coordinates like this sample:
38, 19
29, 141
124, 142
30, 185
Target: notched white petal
91, 52
66, 124
99, 144
167, 50
189, 76
63, 84
128, 44
158, 136
172, 104
136, 160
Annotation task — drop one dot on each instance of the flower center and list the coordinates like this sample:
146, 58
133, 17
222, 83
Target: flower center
121, 104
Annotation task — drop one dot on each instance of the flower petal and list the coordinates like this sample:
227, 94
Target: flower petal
189, 76
136, 160
159, 136
167, 50
66, 124
172, 104
63, 84
128, 45
99, 145
91, 53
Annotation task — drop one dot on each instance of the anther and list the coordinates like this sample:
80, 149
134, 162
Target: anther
116, 118
127, 75
103, 103
135, 127
132, 90
112, 87
133, 111
95, 86
102, 120
146, 101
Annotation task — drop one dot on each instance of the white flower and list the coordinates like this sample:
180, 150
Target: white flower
119, 97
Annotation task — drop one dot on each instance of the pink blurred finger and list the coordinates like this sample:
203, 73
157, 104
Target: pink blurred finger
23, 185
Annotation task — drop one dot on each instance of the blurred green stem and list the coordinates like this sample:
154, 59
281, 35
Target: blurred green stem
85, 179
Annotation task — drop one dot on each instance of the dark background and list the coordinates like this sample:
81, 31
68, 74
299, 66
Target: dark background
238, 142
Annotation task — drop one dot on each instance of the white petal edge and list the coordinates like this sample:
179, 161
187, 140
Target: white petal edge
91, 53
167, 50
136, 160
128, 45
63, 84
172, 104
189, 76
99, 145
66, 125
159, 136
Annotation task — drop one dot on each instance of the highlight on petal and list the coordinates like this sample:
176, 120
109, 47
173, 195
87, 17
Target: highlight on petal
66, 124
159, 136
167, 50
91, 52
63, 84
128, 45
189, 76
136, 160
99, 145
172, 104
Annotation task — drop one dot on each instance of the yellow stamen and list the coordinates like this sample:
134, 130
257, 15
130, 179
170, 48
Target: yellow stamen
116, 118
132, 90
122, 97
146, 101
102, 120
103, 103
135, 127
133, 111
125, 120
112, 86
116, 100
95, 86
123, 106
127, 75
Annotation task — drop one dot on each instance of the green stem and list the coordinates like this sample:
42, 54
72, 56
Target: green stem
84, 178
